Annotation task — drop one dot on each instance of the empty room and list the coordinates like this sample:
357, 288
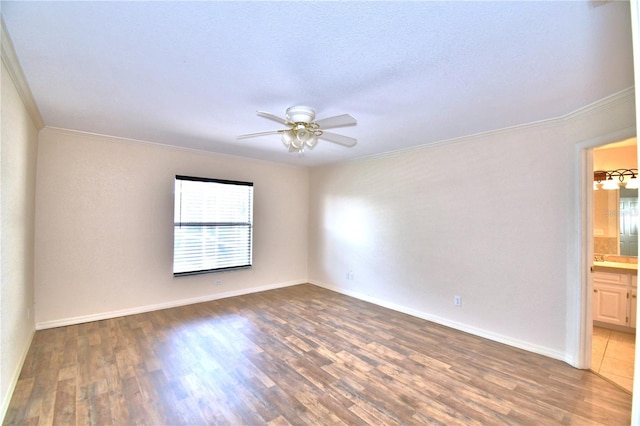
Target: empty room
314, 212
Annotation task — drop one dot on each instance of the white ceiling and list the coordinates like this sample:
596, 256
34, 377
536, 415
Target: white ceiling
193, 74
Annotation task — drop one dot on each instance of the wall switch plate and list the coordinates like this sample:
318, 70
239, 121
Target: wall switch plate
457, 300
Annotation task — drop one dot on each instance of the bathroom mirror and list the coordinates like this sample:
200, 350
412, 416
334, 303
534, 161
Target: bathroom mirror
615, 222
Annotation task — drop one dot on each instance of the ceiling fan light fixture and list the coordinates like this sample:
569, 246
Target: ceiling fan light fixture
302, 135
297, 144
287, 138
312, 141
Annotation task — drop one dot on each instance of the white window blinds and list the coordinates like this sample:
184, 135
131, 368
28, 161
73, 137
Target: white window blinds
213, 224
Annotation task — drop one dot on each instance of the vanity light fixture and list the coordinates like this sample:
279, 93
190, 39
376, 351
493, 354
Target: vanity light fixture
614, 179
632, 183
610, 184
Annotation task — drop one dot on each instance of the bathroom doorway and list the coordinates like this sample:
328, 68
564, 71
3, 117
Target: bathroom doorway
615, 259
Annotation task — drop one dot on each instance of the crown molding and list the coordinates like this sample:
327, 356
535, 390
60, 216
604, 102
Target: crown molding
10, 60
140, 142
609, 102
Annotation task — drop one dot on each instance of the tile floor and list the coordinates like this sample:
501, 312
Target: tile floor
612, 355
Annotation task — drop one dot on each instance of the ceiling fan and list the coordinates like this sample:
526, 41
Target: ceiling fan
302, 132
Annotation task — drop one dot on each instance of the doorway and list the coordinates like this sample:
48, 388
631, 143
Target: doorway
613, 265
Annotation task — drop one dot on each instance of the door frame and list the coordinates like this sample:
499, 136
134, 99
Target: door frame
580, 255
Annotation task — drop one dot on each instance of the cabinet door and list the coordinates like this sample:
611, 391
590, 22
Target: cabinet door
610, 303
633, 307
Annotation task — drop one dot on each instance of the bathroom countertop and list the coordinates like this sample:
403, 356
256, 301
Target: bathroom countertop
618, 267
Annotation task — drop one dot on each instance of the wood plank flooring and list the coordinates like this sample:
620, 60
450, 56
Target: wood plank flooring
300, 355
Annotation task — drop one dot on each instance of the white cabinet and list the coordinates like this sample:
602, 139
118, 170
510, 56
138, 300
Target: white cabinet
614, 298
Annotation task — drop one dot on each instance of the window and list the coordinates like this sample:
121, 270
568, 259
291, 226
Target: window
212, 225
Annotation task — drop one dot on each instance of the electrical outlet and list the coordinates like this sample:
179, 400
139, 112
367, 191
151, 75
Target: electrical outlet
349, 275
218, 282
457, 300
28, 313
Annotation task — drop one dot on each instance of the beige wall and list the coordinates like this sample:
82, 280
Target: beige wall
615, 157
18, 165
489, 218
104, 227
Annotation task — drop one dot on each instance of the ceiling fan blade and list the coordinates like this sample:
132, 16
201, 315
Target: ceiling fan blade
337, 121
268, 132
272, 117
339, 139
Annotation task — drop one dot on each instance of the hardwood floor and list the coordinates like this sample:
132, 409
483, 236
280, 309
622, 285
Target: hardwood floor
298, 355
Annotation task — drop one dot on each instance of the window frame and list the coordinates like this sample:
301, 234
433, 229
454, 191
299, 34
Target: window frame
212, 224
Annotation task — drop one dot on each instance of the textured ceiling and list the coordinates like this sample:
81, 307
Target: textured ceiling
193, 74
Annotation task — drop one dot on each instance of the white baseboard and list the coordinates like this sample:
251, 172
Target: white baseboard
6, 398
156, 307
520, 344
